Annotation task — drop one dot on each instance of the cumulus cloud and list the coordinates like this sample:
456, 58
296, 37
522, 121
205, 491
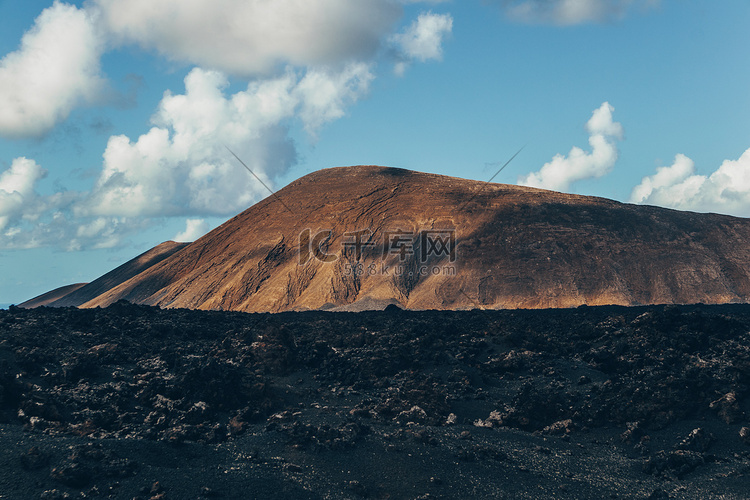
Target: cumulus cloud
422, 40
17, 189
55, 69
570, 12
250, 37
666, 179
726, 190
181, 166
57, 66
323, 95
194, 229
30, 220
562, 171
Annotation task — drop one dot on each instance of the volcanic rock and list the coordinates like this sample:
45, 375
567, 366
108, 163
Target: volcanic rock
745, 435
104, 403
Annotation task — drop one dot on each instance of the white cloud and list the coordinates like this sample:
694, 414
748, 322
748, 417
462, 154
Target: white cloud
324, 95
181, 166
21, 177
247, 37
726, 190
29, 220
55, 69
663, 181
101, 232
422, 40
194, 229
570, 12
57, 66
17, 190
562, 171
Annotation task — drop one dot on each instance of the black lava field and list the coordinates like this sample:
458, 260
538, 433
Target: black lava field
595, 402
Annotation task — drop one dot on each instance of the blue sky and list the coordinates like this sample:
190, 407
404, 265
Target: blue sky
114, 113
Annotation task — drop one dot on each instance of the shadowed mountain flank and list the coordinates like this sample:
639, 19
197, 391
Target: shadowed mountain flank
48, 298
365, 237
88, 291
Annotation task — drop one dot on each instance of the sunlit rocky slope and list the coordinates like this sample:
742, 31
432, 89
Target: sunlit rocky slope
363, 237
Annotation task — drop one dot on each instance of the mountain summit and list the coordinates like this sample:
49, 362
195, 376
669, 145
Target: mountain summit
363, 237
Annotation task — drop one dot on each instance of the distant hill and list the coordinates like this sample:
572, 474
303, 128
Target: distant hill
46, 299
76, 295
363, 237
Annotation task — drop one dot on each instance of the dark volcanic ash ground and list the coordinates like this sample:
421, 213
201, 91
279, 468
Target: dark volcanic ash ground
608, 402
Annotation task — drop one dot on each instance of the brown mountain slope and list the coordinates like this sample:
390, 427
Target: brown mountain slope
47, 298
112, 279
514, 247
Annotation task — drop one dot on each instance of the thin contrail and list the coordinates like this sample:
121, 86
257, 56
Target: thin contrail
506, 163
259, 180
491, 178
